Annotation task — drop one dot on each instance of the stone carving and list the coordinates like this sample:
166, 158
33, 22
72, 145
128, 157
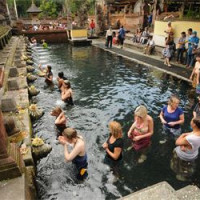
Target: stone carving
30, 68
39, 148
29, 62
8, 104
13, 72
35, 112
33, 91
31, 78
13, 85
10, 126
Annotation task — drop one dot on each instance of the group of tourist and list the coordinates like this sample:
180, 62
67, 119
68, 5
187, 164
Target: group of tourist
187, 44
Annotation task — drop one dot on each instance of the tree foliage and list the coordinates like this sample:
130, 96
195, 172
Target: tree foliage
49, 8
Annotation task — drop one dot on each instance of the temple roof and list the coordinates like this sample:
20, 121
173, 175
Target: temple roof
33, 9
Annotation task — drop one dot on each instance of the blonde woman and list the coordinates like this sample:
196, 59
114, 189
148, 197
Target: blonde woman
141, 130
172, 117
61, 120
114, 145
78, 154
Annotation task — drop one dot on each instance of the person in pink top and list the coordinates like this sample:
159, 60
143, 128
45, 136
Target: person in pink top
141, 131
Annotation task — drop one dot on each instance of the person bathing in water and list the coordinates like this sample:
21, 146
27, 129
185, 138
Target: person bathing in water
66, 93
61, 78
60, 121
48, 74
78, 154
141, 131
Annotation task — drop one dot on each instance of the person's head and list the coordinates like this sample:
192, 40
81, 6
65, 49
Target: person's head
169, 23
151, 37
195, 123
60, 74
194, 34
70, 134
115, 129
122, 26
49, 68
198, 56
140, 113
174, 101
190, 31
67, 84
183, 34
92, 20
56, 111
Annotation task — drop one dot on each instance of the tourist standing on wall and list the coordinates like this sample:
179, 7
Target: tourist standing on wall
172, 117
141, 131
109, 37
186, 152
78, 154
92, 28
193, 43
121, 36
180, 47
169, 30
114, 145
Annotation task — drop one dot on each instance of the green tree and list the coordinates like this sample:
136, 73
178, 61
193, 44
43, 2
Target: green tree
49, 8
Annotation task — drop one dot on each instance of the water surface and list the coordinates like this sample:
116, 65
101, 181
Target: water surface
106, 87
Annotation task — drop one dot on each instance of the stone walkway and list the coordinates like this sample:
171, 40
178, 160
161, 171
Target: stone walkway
149, 61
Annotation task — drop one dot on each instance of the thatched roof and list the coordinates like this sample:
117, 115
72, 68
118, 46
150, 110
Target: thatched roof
33, 9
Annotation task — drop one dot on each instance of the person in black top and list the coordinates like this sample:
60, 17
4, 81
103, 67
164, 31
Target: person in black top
114, 145
49, 76
196, 111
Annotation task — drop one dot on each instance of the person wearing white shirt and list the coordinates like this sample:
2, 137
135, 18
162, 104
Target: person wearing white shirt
150, 46
109, 37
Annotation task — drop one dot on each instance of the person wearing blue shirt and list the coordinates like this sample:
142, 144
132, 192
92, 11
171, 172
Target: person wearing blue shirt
121, 36
192, 45
172, 117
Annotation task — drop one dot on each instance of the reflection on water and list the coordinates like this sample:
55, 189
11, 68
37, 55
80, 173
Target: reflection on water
106, 88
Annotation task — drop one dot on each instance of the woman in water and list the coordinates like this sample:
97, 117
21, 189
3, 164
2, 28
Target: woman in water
114, 145
78, 154
60, 80
66, 93
60, 121
141, 131
172, 117
186, 152
48, 74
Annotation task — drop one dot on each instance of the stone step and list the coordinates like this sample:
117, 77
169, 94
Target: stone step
13, 189
159, 191
189, 192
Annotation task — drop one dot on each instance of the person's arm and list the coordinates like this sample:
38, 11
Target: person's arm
69, 156
150, 131
182, 140
131, 129
194, 114
50, 78
192, 72
61, 119
162, 118
180, 121
115, 155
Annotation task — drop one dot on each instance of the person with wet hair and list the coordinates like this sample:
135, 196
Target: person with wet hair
60, 121
114, 145
186, 152
172, 117
141, 131
66, 93
60, 80
78, 154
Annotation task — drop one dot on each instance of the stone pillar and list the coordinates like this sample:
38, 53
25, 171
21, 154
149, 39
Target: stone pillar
11, 163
